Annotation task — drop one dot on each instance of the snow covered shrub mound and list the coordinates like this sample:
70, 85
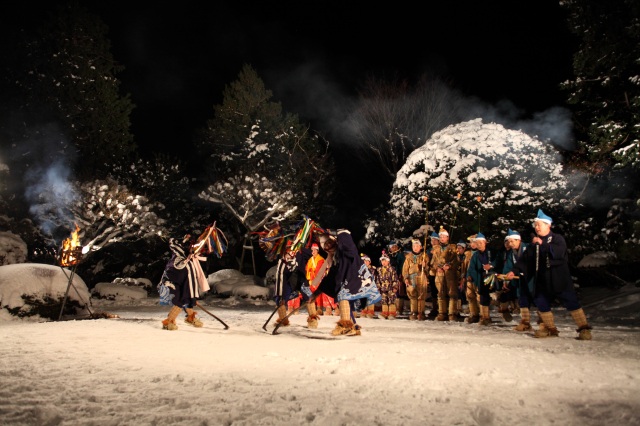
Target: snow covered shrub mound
483, 175
38, 290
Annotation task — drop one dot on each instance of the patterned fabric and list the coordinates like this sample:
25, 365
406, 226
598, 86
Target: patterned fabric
164, 291
348, 278
186, 275
388, 284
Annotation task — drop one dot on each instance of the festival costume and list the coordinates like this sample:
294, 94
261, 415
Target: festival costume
185, 279
446, 281
388, 284
347, 279
396, 259
476, 287
548, 264
290, 280
415, 275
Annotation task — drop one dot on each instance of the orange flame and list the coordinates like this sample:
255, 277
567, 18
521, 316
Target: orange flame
71, 249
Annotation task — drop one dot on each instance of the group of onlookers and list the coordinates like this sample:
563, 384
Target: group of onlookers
468, 276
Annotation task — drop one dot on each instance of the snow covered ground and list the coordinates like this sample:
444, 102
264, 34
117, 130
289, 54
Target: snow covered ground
128, 371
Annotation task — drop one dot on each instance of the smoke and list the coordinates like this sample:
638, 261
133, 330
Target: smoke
46, 181
311, 91
553, 125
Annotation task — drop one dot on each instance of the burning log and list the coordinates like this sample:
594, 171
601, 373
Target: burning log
71, 252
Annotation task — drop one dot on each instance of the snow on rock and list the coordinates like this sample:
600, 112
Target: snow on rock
28, 285
113, 291
597, 259
230, 282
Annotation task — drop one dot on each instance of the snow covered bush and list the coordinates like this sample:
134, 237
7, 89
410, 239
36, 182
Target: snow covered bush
476, 176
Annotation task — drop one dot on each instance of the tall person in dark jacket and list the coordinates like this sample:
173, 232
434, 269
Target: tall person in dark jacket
346, 279
548, 264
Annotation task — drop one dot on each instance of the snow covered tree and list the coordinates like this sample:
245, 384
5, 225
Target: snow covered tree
476, 177
262, 164
605, 92
61, 83
605, 99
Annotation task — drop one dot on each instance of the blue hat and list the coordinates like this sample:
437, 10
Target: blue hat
434, 235
543, 217
512, 235
393, 243
461, 243
479, 237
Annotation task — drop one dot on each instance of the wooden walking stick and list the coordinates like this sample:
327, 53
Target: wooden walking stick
426, 232
226, 327
479, 200
264, 327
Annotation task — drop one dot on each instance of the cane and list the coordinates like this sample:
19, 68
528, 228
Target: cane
264, 327
221, 322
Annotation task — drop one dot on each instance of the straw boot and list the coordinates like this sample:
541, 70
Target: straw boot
549, 329
525, 320
327, 310
191, 318
485, 315
385, 311
371, 311
312, 319
399, 306
474, 311
454, 310
345, 326
282, 313
413, 305
422, 306
170, 322
443, 309
392, 312
584, 329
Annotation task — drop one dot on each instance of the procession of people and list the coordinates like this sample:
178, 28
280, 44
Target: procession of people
325, 271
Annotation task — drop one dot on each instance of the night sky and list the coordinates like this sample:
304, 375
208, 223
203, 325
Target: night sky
179, 58
315, 55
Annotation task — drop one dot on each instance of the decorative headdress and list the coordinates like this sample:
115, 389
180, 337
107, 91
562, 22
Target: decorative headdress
512, 235
543, 217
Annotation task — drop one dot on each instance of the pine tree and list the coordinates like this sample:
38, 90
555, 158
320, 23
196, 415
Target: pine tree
63, 82
605, 99
605, 92
263, 164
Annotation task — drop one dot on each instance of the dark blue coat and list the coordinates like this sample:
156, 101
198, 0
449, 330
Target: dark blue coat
553, 274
